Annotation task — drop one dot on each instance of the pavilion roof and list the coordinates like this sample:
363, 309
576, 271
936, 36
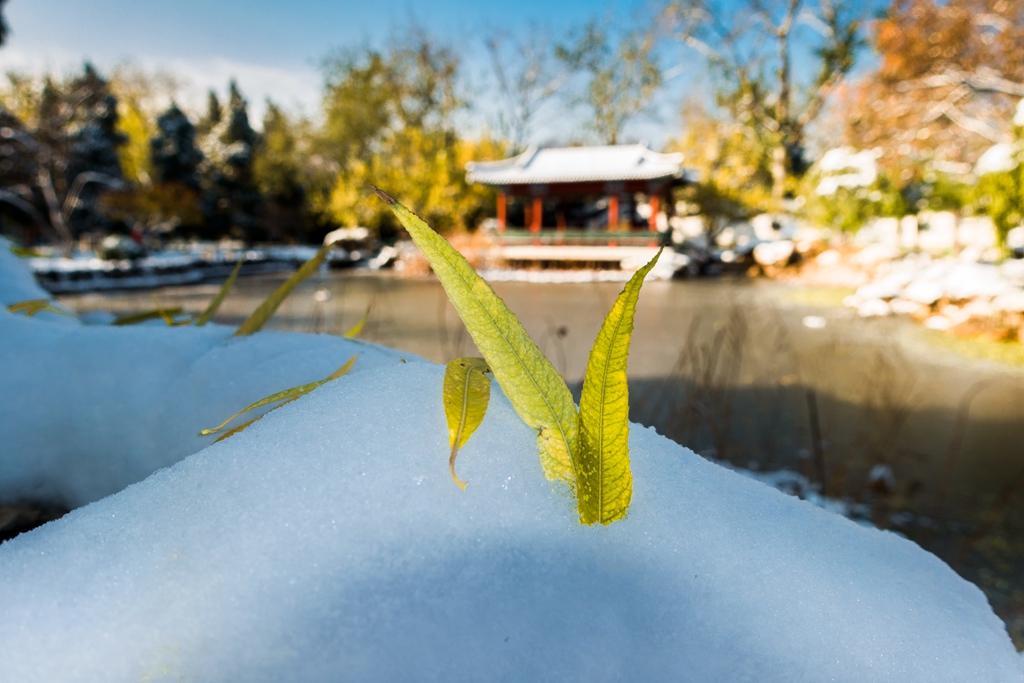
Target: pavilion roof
544, 165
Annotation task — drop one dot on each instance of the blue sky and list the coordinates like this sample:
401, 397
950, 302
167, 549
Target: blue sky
275, 48
271, 47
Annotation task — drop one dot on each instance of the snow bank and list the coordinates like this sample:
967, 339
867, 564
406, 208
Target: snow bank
91, 409
16, 280
328, 542
947, 293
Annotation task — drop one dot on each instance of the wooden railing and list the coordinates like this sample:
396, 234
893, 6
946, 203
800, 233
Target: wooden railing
596, 238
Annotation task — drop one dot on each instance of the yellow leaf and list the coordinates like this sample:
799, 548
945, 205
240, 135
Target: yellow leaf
604, 483
167, 316
288, 395
222, 293
25, 252
265, 311
533, 386
134, 318
467, 390
358, 327
245, 425
33, 306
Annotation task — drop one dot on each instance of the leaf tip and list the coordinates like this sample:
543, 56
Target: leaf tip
388, 199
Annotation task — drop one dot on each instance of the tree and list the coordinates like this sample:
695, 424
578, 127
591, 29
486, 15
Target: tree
169, 198
175, 156
66, 133
621, 78
280, 171
948, 78
999, 192
751, 49
94, 154
212, 117
390, 120
231, 199
735, 177
4, 30
526, 75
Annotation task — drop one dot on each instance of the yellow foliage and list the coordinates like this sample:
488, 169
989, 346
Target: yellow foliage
136, 163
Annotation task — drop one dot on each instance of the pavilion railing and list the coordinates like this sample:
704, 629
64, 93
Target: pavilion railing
597, 238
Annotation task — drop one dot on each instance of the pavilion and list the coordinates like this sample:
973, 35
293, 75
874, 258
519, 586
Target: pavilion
616, 189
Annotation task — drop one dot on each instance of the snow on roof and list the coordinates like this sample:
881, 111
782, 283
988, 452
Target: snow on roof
580, 164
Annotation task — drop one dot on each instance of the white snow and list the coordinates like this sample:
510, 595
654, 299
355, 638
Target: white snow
327, 542
999, 158
846, 167
16, 280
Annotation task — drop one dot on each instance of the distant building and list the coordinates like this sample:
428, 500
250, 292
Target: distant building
612, 188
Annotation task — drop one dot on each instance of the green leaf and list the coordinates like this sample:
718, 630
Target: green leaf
358, 327
604, 484
265, 311
135, 318
533, 386
288, 395
467, 390
222, 293
33, 306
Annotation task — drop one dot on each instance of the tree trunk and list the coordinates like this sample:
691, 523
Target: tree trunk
778, 172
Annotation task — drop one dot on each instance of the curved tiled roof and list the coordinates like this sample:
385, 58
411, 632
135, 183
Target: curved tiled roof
579, 164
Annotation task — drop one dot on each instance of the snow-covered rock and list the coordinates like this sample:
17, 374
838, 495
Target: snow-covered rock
873, 308
776, 253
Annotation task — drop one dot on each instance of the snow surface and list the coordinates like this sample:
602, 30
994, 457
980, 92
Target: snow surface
16, 280
94, 408
329, 543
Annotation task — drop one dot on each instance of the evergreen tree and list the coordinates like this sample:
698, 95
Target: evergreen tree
281, 179
4, 31
231, 202
176, 158
212, 116
94, 164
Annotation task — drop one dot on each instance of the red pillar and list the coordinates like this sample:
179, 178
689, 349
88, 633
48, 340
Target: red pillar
613, 211
652, 222
538, 213
501, 210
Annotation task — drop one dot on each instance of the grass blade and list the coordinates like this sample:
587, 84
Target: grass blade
222, 293
604, 483
533, 386
255, 322
33, 306
358, 327
288, 395
467, 391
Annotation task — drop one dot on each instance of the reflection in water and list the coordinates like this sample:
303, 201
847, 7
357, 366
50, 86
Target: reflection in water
915, 439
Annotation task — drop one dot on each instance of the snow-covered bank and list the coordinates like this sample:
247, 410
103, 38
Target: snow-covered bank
92, 409
962, 296
327, 542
